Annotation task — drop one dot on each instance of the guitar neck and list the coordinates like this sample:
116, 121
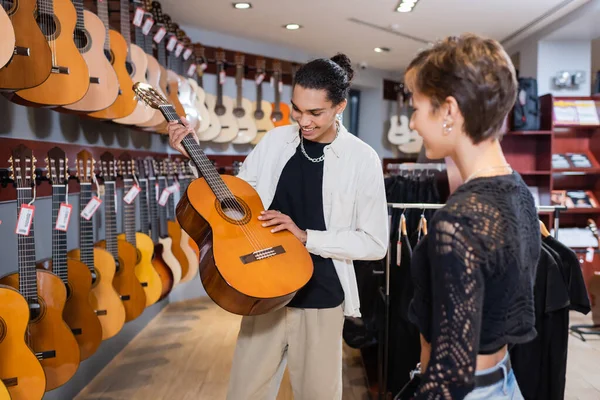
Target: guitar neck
220, 68
79, 8
277, 94
129, 214
162, 211
110, 216
103, 15
259, 96
86, 228
239, 79
145, 228
26, 253
46, 7
171, 201
153, 209
126, 26
59, 237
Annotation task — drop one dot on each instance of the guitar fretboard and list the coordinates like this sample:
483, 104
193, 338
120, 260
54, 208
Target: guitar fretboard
79, 8
86, 228
239, 79
46, 7
171, 201
129, 214
143, 196
126, 26
153, 209
110, 217
220, 68
59, 238
26, 253
103, 14
162, 211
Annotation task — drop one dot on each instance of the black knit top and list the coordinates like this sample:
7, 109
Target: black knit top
473, 277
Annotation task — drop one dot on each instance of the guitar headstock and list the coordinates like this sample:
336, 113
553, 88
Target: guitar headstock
261, 65
153, 167
157, 12
148, 95
57, 166
240, 59
141, 168
220, 55
85, 166
108, 167
22, 166
126, 166
277, 67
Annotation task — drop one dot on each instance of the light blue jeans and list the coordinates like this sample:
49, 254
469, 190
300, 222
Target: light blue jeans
506, 389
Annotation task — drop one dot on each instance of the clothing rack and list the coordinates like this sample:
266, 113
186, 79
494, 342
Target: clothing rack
385, 293
416, 167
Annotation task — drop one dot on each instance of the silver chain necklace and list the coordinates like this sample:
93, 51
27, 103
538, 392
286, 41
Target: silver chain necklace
320, 159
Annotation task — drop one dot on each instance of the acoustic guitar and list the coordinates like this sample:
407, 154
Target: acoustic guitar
70, 77
90, 38
187, 95
21, 374
280, 114
31, 61
144, 270
47, 335
210, 100
104, 298
125, 254
4, 395
244, 267
148, 194
193, 78
7, 45
190, 248
75, 275
262, 108
224, 105
117, 52
399, 131
173, 226
243, 107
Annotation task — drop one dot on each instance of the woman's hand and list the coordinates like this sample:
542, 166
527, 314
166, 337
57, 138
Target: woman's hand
176, 134
281, 222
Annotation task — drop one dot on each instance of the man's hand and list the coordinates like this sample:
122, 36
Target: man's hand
281, 222
177, 132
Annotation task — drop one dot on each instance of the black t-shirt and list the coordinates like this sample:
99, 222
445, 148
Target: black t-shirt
299, 195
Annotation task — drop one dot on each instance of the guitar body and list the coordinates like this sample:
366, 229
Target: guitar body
175, 233
104, 298
4, 395
125, 103
104, 84
165, 273
7, 45
284, 109
169, 259
264, 124
399, 132
48, 332
144, 271
247, 129
173, 90
191, 255
24, 71
253, 288
125, 281
153, 74
79, 314
60, 88
187, 98
19, 367
139, 64
203, 115
229, 126
214, 128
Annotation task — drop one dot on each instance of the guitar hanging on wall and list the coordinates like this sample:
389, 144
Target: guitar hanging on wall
7, 33
224, 106
242, 110
281, 111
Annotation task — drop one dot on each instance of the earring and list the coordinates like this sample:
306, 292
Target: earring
447, 127
338, 117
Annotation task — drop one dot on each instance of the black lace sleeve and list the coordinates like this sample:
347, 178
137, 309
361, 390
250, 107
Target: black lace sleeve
456, 260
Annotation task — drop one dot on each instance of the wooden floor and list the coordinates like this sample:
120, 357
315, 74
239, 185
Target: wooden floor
185, 353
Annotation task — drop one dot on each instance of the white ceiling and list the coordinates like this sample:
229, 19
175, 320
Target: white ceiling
585, 27
328, 25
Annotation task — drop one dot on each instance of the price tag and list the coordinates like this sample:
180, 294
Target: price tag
172, 43
148, 24
280, 87
156, 190
179, 49
187, 54
203, 66
64, 216
589, 255
25, 220
260, 78
222, 77
160, 35
164, 197
191, 70
132, 194
91, 208
138, 17
173, 188
272, 81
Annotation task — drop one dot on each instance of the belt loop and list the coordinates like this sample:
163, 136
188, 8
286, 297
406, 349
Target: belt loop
503, 366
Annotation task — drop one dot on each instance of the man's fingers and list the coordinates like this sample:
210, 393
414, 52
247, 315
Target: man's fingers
278, 228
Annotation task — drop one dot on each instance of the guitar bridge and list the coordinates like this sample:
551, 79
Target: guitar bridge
10, 382
262, 254
44, 355
60, 70
21, 51
94, 80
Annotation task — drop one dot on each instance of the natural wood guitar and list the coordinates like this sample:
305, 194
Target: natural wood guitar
194, 80
262, 108
104, 298
124, 253
7, 44
48, 335
31, 61
280, 114
70, 77
243, 108
173, 226
78, 313
189, 247
20, 371
224, 104
244, 268
4, 395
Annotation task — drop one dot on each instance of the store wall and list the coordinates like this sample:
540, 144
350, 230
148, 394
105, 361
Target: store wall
595, 60
568, 55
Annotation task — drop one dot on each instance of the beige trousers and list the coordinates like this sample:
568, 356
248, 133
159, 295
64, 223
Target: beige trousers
308, 340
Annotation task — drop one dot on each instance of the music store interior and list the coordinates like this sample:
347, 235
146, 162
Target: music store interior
111, 283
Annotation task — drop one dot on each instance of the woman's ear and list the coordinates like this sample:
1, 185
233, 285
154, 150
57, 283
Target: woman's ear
341, 107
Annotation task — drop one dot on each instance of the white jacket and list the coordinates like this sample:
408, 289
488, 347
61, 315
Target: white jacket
354, 201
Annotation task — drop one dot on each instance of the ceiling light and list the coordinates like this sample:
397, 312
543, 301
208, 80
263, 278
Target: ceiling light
406, 5
242, 6
381, 49
292, 27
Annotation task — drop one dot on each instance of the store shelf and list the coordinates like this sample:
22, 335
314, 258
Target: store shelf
576, 171
529, 133
582, 211
535, 173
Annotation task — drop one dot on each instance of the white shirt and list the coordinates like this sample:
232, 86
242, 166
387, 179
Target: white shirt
354, 200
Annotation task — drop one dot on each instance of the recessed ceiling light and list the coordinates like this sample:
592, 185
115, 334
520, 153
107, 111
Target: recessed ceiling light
406, 5
381, 49
242, 6
405, 8
292, 27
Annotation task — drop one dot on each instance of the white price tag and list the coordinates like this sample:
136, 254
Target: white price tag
91, 208
148, 24
260, 78
187, 54
173, 188
132, 194
25, 220
222, 77
179, 49
272, 82
156, 190
63, 218
191, 70
160, 34
280, 87
589, 255
172, 43
164, 197
138, 17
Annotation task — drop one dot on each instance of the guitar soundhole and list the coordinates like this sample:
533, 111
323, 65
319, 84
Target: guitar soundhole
2, 329
37, 310
69, 290
234, 210
95, 277
239, 112
48, 26
10, 6
259, 114
276, 116
82, 40
130, 68
109, 55
117, 265
220, 110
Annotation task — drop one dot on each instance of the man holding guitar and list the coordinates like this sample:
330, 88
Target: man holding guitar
326, 187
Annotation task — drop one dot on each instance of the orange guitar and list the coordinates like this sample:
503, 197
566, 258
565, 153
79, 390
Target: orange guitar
48, 335
281, 111
78, 313
244, 268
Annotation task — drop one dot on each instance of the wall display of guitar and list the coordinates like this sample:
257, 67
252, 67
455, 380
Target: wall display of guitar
7, 33
31, 61
21, 373
210, 100
243, 109
187, 95
399, 131
244, 268
104, 298
90, 38
224, 105
262, 108
75, 275
194, 80
125, 254
47, 335
280, 114
117, 52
